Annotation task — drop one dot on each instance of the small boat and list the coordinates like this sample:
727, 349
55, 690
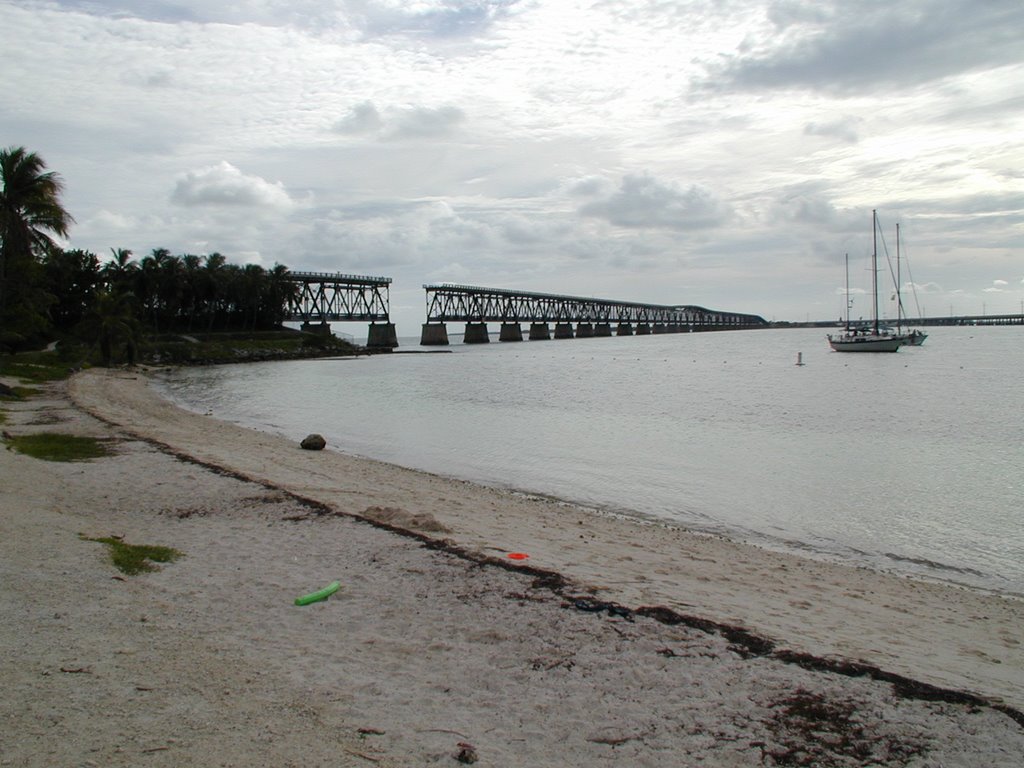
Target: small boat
873, 339
860, 340
913, 337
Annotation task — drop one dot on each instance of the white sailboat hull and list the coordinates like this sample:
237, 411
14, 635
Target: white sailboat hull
865, 343
913, 339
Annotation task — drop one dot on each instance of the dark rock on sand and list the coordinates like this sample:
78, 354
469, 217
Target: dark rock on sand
314, 443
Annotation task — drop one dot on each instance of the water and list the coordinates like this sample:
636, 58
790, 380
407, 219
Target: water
909, 462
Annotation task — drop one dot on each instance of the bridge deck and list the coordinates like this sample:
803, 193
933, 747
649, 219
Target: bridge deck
323, 297
476, 304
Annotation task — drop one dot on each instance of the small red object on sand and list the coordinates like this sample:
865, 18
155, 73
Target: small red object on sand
517, 555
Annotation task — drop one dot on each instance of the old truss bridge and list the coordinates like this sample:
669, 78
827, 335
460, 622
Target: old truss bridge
323, 297
572, 316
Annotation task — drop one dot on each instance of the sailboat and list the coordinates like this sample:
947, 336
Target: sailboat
913, 337
859, 339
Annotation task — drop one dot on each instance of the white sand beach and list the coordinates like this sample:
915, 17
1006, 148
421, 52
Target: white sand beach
438, 648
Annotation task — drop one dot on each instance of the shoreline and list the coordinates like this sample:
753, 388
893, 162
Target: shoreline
950, 637
438, 647
879, 560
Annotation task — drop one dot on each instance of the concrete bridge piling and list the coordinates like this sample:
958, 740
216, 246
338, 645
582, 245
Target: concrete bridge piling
539, 332
510, 332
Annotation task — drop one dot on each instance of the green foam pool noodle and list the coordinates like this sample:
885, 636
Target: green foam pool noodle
321, 594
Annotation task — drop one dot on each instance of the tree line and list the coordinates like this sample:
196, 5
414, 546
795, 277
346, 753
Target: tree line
48, 292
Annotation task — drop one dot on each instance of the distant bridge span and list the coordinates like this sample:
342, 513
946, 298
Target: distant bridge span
476, 306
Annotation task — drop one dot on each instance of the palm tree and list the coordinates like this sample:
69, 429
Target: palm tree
111, 321
72, 277
30, 213
282, 292
119, 272
213, 272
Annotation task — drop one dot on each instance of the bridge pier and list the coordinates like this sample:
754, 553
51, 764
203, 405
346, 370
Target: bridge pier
563, 330
510, 332
434, 334
539, 332
382, 336
660, 328
320, 329
643, 329
584, 330
476, 333
603, 329
624, 329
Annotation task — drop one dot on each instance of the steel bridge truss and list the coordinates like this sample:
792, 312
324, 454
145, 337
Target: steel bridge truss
324, 297
473, 304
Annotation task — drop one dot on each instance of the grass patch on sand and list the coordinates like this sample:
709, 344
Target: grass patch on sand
54, 447
35, 367
18, 392
133, 559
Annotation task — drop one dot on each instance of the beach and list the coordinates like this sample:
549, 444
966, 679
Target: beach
613, 641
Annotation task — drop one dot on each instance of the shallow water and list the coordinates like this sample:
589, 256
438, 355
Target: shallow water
909, 462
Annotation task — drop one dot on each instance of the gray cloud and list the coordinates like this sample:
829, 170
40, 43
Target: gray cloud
440, 19
362, 118
643, 202
853, 47
844, 128
410, 122
423, 122
372, 18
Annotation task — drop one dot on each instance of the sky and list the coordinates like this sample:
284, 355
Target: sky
723, 153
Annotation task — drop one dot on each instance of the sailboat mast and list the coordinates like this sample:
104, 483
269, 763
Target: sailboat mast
899, 299
874, 267
847, 294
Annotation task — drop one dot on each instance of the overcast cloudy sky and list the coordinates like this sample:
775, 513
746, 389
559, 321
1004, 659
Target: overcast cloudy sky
725, 153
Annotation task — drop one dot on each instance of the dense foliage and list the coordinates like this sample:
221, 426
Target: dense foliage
47, 292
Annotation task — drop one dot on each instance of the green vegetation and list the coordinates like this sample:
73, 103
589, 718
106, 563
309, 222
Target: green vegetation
133, 559
114, 312
34, 367
30, 215
18, 393
55, 447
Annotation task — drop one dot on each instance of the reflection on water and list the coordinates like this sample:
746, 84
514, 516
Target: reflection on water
909, 462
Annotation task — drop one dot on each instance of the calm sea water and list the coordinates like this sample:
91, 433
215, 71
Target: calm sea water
910, 462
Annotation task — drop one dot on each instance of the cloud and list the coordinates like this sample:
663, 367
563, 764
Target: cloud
423, 122
430, 18
362, 118
857, 47
844, 128
644, 202
225, 185
589, 186
398, 123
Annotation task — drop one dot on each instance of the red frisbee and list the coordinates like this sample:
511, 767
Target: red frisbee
517, 555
